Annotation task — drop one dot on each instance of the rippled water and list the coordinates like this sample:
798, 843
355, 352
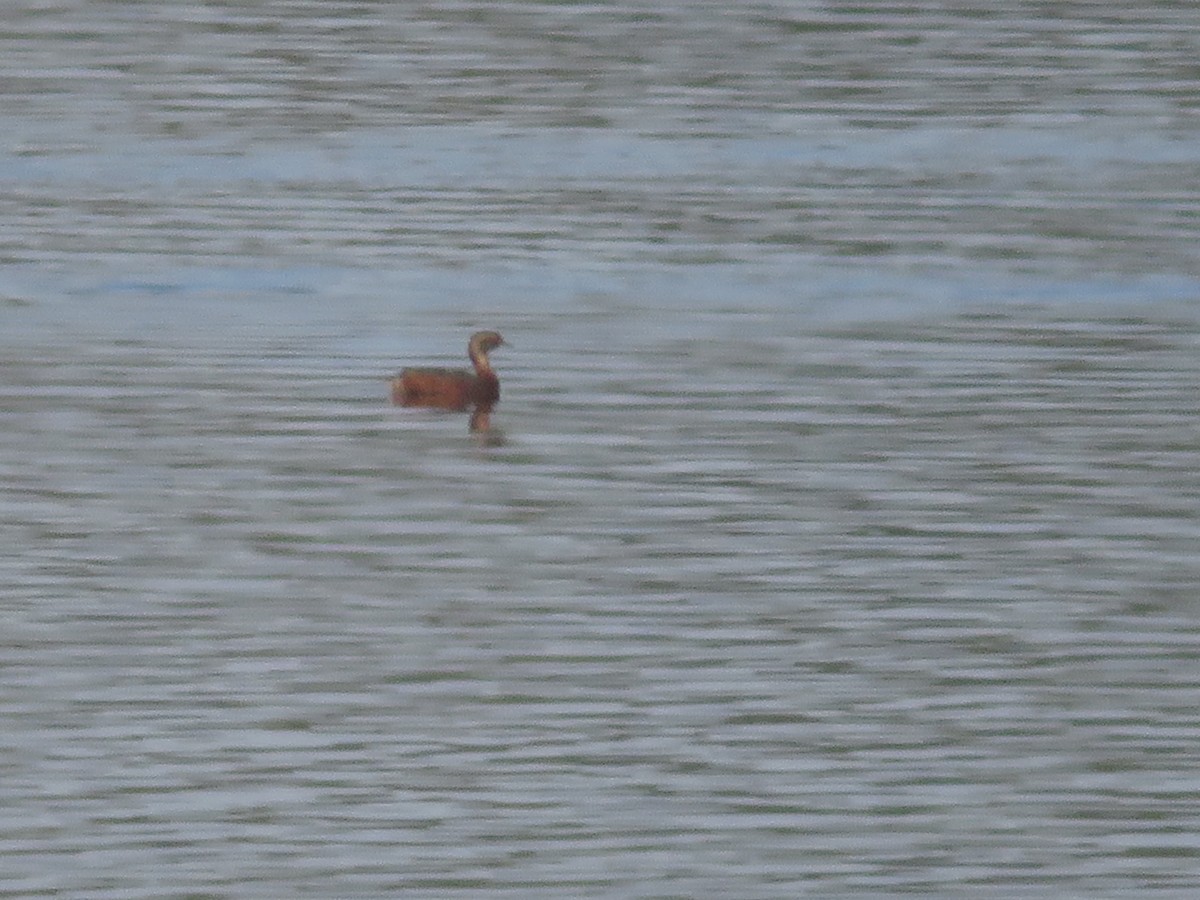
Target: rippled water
838, 534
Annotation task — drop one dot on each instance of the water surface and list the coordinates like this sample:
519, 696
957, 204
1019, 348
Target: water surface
838, 533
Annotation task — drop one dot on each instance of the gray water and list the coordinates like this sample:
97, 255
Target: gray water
838, 532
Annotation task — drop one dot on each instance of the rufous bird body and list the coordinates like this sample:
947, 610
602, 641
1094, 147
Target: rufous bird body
455, 389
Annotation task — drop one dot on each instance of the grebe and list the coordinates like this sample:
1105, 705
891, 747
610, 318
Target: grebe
455, 389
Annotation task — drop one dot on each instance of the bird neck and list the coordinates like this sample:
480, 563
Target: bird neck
479, 359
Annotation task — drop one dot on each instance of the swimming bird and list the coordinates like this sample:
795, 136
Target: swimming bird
456, 389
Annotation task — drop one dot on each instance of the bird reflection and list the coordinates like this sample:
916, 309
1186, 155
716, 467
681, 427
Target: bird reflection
486, 434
